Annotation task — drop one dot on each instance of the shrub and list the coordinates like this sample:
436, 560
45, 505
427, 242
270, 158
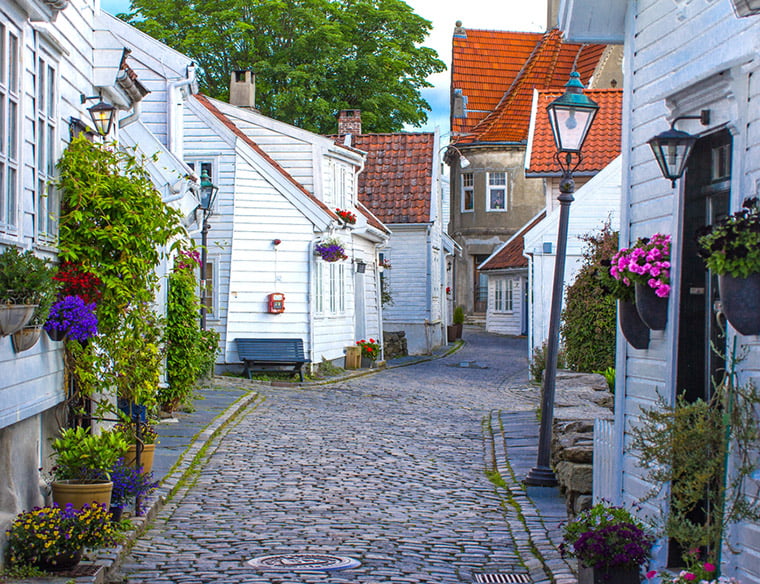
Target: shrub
589, 321
458, 317
538, 362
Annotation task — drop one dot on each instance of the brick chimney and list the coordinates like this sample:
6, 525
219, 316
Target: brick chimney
350, 122
243, 89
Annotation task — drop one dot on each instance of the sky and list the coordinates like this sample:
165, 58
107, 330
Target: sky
517, 15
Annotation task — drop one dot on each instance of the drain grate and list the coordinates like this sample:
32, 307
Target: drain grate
303, 562
502, 578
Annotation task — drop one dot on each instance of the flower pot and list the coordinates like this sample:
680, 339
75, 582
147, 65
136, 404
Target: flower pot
146, 457
458, 330
116, 513
79, 494
613, 575
56, 334
741, 302
60, 562
367, 363
652, 309
26, 338
451, 333
14, 317
633, 328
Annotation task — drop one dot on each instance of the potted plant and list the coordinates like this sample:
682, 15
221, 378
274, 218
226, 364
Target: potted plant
647, 265
614, 278
25, 281
330, 250
128, 484
52, 538
347, 217
610, 542
82, 465
731, 249
458, 321
148, 439
370, 351
71, 317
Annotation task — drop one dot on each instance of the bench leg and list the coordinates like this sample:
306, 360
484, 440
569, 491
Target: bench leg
247, 371
300, 372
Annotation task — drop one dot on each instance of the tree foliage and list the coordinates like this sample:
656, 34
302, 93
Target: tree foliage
312, 58
589, 318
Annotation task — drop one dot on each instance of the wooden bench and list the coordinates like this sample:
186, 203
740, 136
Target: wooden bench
271, 354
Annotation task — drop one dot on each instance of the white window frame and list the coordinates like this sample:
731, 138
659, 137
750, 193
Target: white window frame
197, 163
329, 288
10, 125
493, 187
467, 186
212, 288
46, 129
503, 294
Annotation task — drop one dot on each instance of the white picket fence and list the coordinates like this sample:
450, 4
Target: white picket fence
605, 479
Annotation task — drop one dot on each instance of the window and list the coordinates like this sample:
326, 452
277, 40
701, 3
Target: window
497, 191
340, 192
46, 195
208, 293
329, 287
468, 191
503, 295
202, 166
9, 123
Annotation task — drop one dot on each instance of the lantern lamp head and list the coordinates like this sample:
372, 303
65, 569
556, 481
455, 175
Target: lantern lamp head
571, 116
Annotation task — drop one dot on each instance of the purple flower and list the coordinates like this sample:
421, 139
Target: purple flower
72, 316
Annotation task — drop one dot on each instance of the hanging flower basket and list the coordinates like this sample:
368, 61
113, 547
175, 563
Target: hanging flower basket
633, 328
26, 338
347, 217
741, 302
13, 317
330, 250
652, 309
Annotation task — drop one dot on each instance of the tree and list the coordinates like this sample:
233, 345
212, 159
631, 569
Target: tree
312, 58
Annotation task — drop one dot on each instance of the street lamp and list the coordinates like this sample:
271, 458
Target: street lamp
208, 195
571, 116
102, 113
672, 147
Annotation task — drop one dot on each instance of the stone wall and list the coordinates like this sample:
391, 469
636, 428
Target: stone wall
394, 344
580, 399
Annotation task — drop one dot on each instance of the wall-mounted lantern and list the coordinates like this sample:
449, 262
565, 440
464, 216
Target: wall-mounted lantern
672, 147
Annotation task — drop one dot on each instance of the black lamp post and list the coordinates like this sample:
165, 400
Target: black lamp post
672, 147
208, 195
571, 116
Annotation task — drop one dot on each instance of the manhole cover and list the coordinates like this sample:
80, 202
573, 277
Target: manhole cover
303, 562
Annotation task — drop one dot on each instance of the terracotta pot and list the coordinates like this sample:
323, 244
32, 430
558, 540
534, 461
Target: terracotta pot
26, 338
652, 309
146, 457
79, 494
741, 302
451, 333
633, 328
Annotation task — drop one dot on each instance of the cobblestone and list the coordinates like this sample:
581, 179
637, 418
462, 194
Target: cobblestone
385, 468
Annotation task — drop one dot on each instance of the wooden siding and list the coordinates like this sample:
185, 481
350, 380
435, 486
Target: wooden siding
684, 57
506, 322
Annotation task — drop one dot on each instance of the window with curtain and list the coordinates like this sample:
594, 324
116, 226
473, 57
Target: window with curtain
9, 125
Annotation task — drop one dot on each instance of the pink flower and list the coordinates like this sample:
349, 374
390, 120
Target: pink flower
708, 567
651, 574
688, 576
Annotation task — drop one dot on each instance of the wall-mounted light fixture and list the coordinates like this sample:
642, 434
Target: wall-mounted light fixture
744, 8
102, 113
463, 162
672, 147
208, 195
361, 267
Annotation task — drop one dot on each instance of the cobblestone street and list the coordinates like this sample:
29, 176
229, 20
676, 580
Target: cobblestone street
387, 469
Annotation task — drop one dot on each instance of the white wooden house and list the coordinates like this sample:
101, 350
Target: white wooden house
401, 184
53, 52
680, 58
279, 188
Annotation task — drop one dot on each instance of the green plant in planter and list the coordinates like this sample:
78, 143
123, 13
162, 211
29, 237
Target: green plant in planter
80, 455
732, 245
458, 317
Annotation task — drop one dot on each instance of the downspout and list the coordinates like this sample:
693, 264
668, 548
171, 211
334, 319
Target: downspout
312, 287
429, 287
379, 296
133, 117
171, 87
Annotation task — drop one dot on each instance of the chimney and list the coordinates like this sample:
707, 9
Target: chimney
350, 122
243, 89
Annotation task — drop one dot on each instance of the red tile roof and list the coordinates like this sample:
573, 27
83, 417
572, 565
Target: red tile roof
484, 66
396, 184
209, 105
511, 255
602, 143
547, 66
